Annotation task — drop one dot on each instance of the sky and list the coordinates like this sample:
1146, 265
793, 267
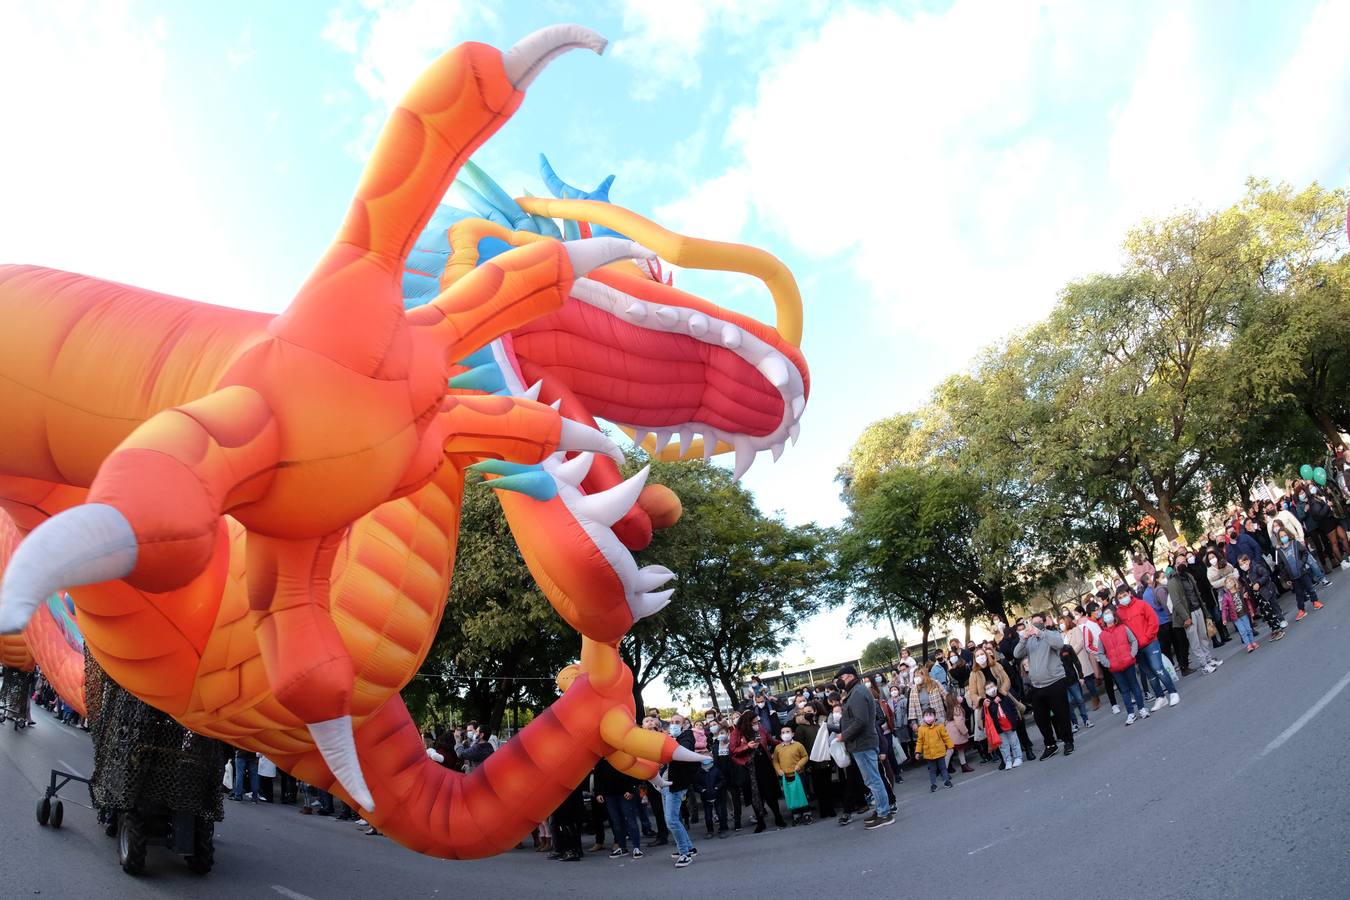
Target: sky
932, 172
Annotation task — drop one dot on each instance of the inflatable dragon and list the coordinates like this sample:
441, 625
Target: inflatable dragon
255, 516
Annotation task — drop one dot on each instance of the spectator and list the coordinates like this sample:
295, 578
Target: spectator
1259, 585
959, 732
858, 732
1143, 624
1049, 686
1142, 567
1295, 562
712, 790
1000, 713
682, 776
1119, 649
789, 762
933, 745
619, 793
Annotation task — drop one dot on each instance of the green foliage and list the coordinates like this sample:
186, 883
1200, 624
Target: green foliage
746, 580
878, 653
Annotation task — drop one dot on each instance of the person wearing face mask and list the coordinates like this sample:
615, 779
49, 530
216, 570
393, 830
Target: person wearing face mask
682, 775
897, 703
1286, 520
1294, 562
1119, 649
933, 744
1313, 512
1095, 676
1143, 624
999, 715
1040, 647
1157, 598
712, 791
938, 670
959, 732
789, 764
1188, 613
767, 715
988, 671
858, 731
1259, 587
719, 746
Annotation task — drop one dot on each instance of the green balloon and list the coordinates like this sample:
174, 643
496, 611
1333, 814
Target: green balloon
1320, 475
1305, 471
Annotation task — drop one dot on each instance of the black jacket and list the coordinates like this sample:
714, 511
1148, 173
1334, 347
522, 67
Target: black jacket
682, 775
609, 780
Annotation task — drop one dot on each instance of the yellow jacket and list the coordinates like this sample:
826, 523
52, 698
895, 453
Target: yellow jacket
934, 741
789, 758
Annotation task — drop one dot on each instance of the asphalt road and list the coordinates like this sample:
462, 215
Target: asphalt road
1237, 792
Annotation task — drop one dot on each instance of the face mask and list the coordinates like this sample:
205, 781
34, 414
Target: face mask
1313, 491
1108, 618
1302, 498
1214, 561
1190, 560
809, 695
759, 703
713, 729
990, 691
895, 692
981, 658
1125, 600
674, 729
1284, 539
836, 715
1037, 623
724, 739
801, 703
785, 736
1246, 566
928, 720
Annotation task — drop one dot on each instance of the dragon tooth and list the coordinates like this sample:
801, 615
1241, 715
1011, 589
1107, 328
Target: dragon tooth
556, 405
652, 577
745, 457
798, 404
698, 325
774, 368
532, 392
575, 470
667, 316
662, 439
794, 432
576, 436
731, 337
777, 450
709, 445
686, 438
608, 507
637, 310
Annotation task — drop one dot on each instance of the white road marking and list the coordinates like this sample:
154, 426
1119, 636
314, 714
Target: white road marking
69, 768
1308, 716
987, 846
287, 892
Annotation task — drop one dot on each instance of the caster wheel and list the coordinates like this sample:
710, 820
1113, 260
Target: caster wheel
44, 810
58, 814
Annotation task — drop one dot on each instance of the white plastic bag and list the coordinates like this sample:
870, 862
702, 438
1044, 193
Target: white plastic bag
839, 753
820, 750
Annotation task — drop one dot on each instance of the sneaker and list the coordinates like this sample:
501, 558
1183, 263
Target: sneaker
1159, 703
617, 852
1075, 728
1216, 662
946, 784
1277, 636
1284, 623
1050, 751
845, 819
682, 861
1143, 712
1129, 720
1068, 749
1173, 698
637, 853
1252, 646
1345, 564
1302, 614
1318, 604
693, 851
1325, 582
1017, 762
1088, 723
362, 823
882, 821
1115, 710
1210, 669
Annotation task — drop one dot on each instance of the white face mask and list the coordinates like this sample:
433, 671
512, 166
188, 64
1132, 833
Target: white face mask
1302, 498
1313, 490
1125, 600
981, 658
1190, 560
990, 691
801, 703
895, 692
928, 720
1246, 566
713, 729
1109, 618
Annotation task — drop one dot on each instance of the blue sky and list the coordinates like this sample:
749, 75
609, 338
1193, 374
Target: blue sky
932, 172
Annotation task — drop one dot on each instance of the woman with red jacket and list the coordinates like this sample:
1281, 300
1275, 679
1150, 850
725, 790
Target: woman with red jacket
1143, 623
1119, 646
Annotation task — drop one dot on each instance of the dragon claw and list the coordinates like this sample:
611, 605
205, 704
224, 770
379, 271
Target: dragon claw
337, 744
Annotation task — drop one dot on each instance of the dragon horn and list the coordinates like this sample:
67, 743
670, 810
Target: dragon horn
528, 57
83, 545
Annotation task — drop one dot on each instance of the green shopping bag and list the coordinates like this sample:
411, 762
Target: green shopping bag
793, 792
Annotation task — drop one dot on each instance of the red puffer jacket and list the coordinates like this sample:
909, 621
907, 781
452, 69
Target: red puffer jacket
1141, 618
1116, 644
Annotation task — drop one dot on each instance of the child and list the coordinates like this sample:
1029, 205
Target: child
1292, 557
789, 761
711, 785
959, 733
1261, 593
933, 744
1000, 723
1233, 608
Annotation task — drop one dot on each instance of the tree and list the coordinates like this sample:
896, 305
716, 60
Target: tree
878, 653
500, 643
746, 580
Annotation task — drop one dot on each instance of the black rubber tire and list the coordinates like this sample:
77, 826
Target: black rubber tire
58, 814
131, 844
44, 810
203, 846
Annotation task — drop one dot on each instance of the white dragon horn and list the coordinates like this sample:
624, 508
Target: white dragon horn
536, 50
336, 742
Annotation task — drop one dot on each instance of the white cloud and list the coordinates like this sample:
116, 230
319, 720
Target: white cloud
93, 172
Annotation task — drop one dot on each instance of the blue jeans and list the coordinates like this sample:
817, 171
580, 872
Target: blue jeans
1244, 627
623, 818
1304, 592
1010, 749
1130, 692
673, 801
245, 766
1316, 567
1151, 667
1076, 700
871, 776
